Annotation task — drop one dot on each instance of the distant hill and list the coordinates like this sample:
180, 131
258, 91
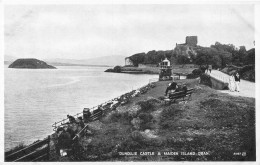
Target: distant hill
99, 61
30, 63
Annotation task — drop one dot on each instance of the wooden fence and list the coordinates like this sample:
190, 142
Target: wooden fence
64, 121
38, 151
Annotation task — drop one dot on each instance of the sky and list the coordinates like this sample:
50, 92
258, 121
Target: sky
88, 31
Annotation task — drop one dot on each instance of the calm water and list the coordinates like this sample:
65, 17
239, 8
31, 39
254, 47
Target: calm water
35, 99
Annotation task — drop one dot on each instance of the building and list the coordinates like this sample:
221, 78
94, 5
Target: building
165, 70
128, 62
165, 64
191, 40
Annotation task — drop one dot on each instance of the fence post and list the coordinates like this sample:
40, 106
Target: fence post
48, 150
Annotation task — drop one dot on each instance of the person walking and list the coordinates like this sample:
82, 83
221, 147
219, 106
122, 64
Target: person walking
237, 81
231, 84
210, 68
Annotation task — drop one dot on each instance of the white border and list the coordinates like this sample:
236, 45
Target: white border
40, 2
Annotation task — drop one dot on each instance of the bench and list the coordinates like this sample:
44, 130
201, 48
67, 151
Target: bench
177, 95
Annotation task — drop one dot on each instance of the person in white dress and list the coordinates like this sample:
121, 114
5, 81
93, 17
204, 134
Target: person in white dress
231, 84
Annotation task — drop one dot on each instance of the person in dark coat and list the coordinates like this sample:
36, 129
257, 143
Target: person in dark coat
178, 88
210, 68
81, 123
184, 88
71, 132
71, 119
64, 140
172, 86
86, 115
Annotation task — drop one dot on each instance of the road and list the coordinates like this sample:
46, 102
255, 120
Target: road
247, 88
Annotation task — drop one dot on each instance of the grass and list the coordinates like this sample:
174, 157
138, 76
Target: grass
211, 122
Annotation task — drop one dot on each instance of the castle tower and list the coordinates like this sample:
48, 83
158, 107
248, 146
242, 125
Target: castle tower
192, 40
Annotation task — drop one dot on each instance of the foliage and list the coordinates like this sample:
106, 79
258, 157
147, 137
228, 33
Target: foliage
205, 79
218, 55
117, 69
208, 56
183, 59
169, 115
197, 71
147, 105
250, 57
123, 117
137, 58
151, 57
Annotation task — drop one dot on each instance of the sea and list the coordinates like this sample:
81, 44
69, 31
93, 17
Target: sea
36, 98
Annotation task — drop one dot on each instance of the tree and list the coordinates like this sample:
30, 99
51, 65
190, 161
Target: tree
250, 57
117, 69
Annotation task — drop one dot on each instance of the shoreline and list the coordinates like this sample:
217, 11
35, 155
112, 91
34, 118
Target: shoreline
127, 101
117, 101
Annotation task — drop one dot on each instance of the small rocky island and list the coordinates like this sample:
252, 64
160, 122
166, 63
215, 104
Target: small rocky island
30, 63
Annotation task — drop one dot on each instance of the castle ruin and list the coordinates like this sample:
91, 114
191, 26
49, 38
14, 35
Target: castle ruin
191, 40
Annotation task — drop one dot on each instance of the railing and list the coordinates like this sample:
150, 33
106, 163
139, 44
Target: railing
64, 121
224, 79
38, 151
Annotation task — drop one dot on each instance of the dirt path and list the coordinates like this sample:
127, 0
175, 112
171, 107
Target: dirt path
247, 88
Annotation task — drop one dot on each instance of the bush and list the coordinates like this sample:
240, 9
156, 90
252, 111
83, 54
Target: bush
147, 105
117, 69
192, 76
130, 145
248, 73
169, 115
205, 79
145, 117
146, 121
197, 72
123, 117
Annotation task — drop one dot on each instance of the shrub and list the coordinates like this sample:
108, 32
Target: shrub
146, 121
148, 105
129, 145
192, 76
197, 72
117, 69
205, 79
123, 117
169, 115
145, 117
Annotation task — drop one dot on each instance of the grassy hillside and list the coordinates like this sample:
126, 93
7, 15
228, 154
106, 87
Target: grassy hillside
212, 126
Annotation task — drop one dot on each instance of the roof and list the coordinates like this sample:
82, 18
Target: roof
166, 60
